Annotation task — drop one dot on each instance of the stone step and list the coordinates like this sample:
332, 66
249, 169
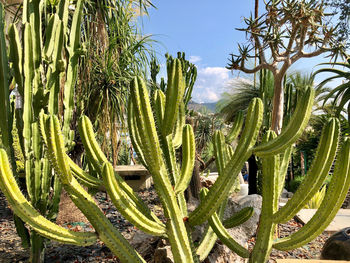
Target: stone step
341, 220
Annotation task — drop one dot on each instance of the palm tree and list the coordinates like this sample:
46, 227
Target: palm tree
116, 52
341, 94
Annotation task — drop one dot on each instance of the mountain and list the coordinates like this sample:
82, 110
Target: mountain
208, 107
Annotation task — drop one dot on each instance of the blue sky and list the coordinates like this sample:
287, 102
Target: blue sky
205, 31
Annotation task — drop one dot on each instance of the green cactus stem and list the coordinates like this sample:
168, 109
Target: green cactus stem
222, 187
27, 212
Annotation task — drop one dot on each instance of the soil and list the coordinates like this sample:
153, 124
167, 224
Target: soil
11, 250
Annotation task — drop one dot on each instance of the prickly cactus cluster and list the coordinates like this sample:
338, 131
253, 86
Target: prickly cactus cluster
157, 129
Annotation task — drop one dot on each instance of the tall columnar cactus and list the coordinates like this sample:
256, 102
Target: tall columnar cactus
38, 65
157, 131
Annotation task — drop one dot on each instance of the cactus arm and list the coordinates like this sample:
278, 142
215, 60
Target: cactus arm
236, 128
225, 237
221, 232
220, 157
135, 135
97, 156
27, 213
93, 151
50, 34
107, 233
270, 169
321, 165
178, 129
159, 105
54, 70
188, 158
284, 163
293, 130
27, 106
335, 195
36, 7
37, 162
239, 218
223, 185
5, 127
176, 229
15, 56
170, 158
127, 209
72, 71
174, 94
85, 178
206, 244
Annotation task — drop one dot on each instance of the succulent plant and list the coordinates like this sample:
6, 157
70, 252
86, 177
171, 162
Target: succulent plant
157, 130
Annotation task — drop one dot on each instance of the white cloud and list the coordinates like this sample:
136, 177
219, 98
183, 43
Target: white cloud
211, 83
195, 59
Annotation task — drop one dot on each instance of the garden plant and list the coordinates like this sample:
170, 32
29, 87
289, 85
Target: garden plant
157, 129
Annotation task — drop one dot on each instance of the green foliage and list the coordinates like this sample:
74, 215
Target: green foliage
295, 183
317, 199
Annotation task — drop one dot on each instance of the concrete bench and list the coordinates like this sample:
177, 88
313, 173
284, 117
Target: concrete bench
137, 176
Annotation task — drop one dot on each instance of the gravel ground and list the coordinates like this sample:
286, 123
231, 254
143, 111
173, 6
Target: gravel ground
11, 250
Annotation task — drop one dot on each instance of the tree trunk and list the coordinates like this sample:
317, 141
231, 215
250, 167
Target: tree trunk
302, 163
256, 13
278, 101
115, 144
253, 175
195, 183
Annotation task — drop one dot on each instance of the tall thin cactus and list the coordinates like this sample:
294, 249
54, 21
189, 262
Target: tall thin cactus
38, 64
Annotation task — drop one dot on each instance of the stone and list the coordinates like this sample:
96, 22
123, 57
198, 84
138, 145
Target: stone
337, 247
286, 194
248, 229
163, 255
222, 254
144, 244
339, 222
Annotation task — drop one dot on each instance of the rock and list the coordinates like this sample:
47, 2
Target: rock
222, 254
337, 247
163, 255
144, 244
286, 194
247, 230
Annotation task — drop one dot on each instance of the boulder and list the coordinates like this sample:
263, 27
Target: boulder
337, 247
248, 229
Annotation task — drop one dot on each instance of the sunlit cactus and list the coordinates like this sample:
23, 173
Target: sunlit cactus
158, 130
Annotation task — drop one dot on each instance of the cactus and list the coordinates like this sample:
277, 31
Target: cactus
37, 66
157, 130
